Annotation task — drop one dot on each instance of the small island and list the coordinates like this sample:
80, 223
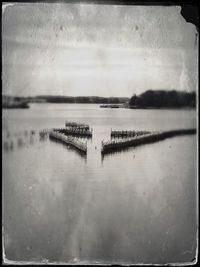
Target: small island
9, 102
110, 106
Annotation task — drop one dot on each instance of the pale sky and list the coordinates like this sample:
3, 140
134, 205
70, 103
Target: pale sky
101, 50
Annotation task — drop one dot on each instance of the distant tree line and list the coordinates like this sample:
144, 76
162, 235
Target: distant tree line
67, 99
81, 99
163, 98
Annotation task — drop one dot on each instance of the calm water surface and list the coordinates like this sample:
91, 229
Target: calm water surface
135, 206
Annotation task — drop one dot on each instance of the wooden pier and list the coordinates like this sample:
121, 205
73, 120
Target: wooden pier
74, 131
143, 139
127, 133
69, 141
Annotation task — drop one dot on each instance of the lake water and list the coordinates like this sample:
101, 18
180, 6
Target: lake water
135, 206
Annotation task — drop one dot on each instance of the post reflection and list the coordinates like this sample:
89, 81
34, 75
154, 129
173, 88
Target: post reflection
21, 139
115, 152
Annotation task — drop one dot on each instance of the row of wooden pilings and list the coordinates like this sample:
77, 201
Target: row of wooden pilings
69, 141
128, 133
77, 125
75, 131
143, 139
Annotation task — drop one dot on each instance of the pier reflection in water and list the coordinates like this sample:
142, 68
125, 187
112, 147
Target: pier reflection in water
22, 139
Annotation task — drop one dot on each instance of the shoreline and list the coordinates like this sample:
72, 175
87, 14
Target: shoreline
28, 105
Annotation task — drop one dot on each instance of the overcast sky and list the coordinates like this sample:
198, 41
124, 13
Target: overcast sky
105, 50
